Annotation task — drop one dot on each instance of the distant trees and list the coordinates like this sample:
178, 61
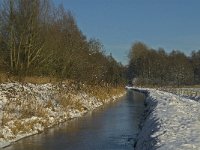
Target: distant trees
195, 59
39, 39
181, 72
156, 67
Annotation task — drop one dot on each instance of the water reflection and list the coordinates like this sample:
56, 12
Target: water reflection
112, 127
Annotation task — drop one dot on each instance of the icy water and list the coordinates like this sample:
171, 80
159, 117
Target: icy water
113, 127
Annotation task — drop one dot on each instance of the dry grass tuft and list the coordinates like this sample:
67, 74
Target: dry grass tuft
1, 136
40, 80
32, 79
18, 126
103, 93
70, 101
25, 127
5, 119
65, 100
3, 77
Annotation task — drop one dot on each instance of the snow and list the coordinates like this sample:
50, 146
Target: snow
129, 87
27, 109
171, 122
190, 93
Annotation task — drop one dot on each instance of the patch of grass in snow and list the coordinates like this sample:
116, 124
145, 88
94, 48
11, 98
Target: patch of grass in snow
23, 106
19, 127
104, 93
26, 126
49, 104
40, 80
5, 118
35, 80
68, 100
1, 136
3, 77
30, 79
29, 107
189, 92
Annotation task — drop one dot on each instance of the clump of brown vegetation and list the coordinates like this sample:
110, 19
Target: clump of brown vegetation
103, 92
70, 101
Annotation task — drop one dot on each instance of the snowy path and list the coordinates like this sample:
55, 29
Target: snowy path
172, 123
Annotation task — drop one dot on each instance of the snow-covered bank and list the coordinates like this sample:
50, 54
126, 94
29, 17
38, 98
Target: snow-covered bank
27, 109
171, 123
191, 93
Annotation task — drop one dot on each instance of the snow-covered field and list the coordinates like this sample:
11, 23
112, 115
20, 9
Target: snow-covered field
27, 109
191, 93
171, 122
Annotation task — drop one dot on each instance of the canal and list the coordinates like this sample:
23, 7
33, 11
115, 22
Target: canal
111, 127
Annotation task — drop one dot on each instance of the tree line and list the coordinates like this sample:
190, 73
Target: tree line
149, 66
38, 38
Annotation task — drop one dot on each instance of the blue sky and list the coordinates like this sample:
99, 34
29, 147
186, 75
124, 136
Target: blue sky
171, 24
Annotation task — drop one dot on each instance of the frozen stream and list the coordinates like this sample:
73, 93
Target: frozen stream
112, 127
